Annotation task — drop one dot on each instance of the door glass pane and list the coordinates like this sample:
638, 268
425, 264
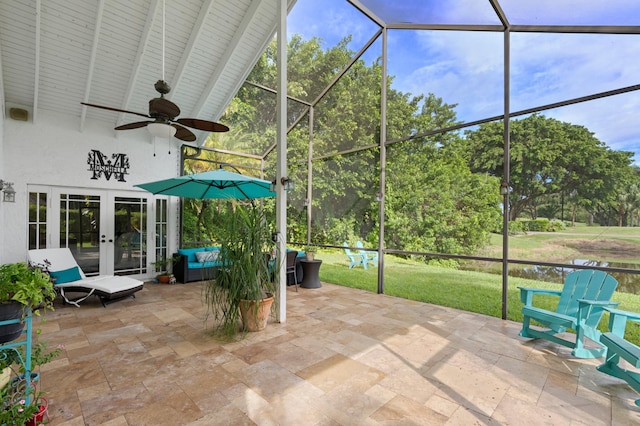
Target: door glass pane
130, 251
80, 229
161, 229
37, 220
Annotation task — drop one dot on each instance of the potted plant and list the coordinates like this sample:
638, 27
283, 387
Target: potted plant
21, 402
23, 290
243, 288
310, 251
163, 266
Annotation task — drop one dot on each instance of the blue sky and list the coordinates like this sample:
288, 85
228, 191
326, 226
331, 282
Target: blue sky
466, 68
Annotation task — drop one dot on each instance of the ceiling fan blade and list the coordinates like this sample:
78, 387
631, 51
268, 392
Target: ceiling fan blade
135, 125
183, 133
209, 126
115, 109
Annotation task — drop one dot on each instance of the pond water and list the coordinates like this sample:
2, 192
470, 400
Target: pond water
627, 282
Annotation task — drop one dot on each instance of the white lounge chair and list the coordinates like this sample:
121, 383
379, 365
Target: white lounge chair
71, 279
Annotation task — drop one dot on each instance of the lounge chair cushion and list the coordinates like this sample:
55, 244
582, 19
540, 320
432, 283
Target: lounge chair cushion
108, 288
104, 285
66, 275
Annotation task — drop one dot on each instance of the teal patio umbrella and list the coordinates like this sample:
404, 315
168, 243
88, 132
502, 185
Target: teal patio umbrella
217, 183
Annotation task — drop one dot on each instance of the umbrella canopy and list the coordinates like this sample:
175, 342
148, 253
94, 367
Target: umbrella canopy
217, 183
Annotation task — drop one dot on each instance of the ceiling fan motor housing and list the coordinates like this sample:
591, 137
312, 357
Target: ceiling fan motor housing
163, 109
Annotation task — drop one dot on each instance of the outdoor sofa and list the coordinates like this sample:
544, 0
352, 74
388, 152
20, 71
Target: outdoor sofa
196, 264
201, 263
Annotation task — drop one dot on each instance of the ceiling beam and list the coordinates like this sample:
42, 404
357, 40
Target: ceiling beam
137, 65
241, 79
224, 63
193, 38
3, 96
92, 62
36, 83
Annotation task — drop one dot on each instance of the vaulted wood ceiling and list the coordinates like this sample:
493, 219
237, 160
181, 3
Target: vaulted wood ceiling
56, 54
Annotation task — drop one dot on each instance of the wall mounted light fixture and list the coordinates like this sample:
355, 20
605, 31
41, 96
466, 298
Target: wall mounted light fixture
8, 193
287, 183
504, 188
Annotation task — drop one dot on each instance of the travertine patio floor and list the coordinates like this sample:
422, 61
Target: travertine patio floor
344, 357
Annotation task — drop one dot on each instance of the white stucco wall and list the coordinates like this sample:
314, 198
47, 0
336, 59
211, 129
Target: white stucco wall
54, 151
2, 176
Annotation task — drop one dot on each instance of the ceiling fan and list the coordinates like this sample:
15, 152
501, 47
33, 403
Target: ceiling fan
163, 112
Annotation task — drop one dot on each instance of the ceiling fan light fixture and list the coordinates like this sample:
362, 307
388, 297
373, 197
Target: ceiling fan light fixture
161, 130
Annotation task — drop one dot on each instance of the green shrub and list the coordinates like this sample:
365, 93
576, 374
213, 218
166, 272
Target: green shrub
516, 227
537, 225
556, 225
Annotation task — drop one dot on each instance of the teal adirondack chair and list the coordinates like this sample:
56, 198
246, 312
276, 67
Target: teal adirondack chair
368, 256
582, 301
618, 347
355, 258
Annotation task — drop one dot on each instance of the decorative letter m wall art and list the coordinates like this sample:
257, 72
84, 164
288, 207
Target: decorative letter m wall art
99, 165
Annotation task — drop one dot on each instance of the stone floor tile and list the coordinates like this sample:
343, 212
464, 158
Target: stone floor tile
344, 357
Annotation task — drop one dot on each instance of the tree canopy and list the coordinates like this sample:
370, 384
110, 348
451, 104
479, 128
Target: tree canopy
551, 160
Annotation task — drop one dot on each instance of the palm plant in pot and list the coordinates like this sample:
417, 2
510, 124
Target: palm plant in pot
243, 287
23, 290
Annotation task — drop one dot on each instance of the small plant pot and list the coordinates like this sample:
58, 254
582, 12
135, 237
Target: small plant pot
164, 279
19, 383
42, 414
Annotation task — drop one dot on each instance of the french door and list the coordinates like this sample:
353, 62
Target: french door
107, 231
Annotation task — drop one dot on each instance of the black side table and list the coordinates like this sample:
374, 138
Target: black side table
310, 269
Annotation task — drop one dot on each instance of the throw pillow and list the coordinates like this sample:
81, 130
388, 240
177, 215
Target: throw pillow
66, 275
204, 256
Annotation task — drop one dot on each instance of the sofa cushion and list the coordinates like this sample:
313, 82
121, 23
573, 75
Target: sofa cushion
200, 265
190, 253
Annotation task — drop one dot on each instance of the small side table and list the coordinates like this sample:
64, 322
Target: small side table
310, 269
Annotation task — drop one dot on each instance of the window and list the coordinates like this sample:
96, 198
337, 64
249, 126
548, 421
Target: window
37, 220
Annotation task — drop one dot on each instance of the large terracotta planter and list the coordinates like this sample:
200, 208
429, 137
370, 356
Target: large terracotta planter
10, 311
255, 319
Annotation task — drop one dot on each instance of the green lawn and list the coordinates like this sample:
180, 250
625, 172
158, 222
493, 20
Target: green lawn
466, 290
610, 244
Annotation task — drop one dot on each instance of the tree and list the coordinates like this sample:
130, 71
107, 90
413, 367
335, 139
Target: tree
549, 158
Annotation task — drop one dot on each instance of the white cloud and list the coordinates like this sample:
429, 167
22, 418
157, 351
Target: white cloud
467, 68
